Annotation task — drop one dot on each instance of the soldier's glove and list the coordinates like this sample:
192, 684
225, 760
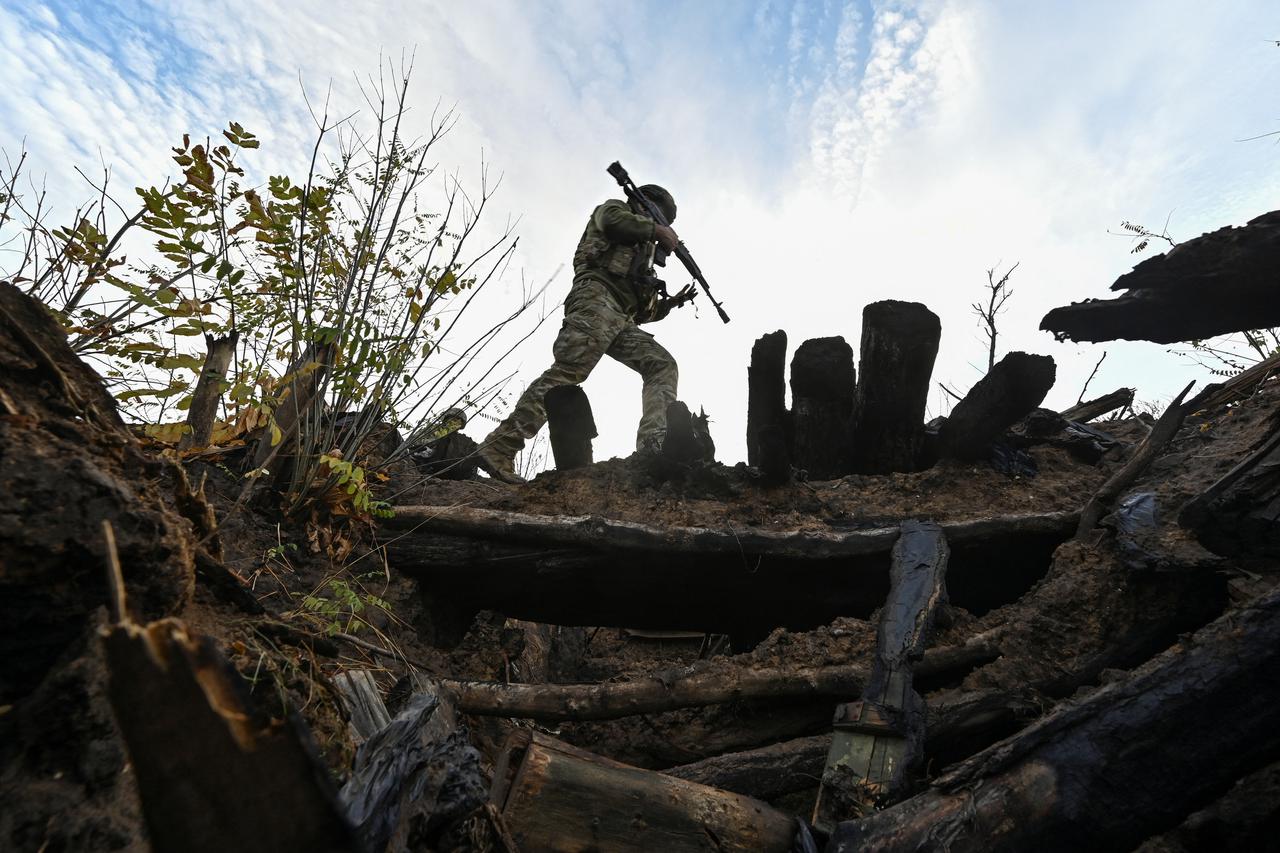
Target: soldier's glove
686, 294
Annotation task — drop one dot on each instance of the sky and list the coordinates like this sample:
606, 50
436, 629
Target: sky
824, 155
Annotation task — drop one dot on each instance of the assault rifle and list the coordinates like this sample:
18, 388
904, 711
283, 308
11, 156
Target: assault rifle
635, 195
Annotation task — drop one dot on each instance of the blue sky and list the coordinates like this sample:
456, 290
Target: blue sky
824, 154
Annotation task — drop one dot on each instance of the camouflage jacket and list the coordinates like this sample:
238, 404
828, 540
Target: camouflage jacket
616, 249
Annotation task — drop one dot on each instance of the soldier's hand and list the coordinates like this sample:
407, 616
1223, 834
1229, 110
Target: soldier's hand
666, 236
686, 294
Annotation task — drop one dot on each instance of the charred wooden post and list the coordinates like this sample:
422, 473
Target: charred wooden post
1011, 389
774, 457
1241, 512
822, 389
879, 740
899, 345
572, 426
766, 391
688, 438
1097, 407
556, 797
1166, 427
208, 393
1214, 696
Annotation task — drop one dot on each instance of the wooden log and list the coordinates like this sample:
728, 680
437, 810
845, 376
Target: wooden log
1240, 513
766, 391
556, 797
704, 683
1165, 428
959, 725
614, 535
210, 774
1099, 774
822, 389
580, 570
1244, 384
878, 742
208, 393
1219, 282
571, 425
1015, 386
1097, 407
899, 345
1244, 818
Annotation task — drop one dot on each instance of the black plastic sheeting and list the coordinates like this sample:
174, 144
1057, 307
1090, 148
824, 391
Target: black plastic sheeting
405, 787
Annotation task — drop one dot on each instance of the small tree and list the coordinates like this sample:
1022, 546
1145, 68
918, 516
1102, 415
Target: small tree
998, 293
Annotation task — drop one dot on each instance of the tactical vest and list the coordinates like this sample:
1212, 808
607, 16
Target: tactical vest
624, 268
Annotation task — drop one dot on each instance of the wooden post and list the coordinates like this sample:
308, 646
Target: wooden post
766, 391
572, 426
204, 400
822, 389
879, 740
293, 402
1097, 407
1013, 387
899, 345
556, 797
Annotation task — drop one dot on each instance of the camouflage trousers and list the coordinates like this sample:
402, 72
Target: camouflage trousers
594, 326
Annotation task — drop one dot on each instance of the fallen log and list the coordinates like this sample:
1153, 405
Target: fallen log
1219, 282
878, 742
571, 426
1165, 428
704, 683
556, 797
899, 345
609, 534
766, 391
1244, 384
1245, 818
1097, 407
1100, 773
1240, 513
958, 726
584, 570
822, 388
1013, 387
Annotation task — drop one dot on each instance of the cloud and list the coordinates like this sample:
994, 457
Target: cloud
824, 154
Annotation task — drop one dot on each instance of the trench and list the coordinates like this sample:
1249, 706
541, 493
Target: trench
740, 594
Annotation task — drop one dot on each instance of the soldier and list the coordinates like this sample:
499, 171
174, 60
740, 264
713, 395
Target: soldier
614, 290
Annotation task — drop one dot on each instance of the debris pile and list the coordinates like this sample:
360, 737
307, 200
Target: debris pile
1010, 629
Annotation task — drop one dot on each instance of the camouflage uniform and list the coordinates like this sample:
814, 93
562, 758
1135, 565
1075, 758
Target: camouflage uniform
610, 295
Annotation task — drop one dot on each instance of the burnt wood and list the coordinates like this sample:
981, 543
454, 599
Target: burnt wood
899, 345
1049, 788
1219, 282
766, 391
822, 389
1240, 513
571, 426
1097, 407
1013, 387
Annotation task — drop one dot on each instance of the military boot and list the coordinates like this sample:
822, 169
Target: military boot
498, 460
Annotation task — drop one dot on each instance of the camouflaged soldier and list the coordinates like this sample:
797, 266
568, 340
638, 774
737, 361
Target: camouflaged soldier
614, 290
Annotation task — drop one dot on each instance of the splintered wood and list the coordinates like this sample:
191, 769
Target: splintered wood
879, 740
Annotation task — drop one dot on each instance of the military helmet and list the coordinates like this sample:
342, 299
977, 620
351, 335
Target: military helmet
662, 199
